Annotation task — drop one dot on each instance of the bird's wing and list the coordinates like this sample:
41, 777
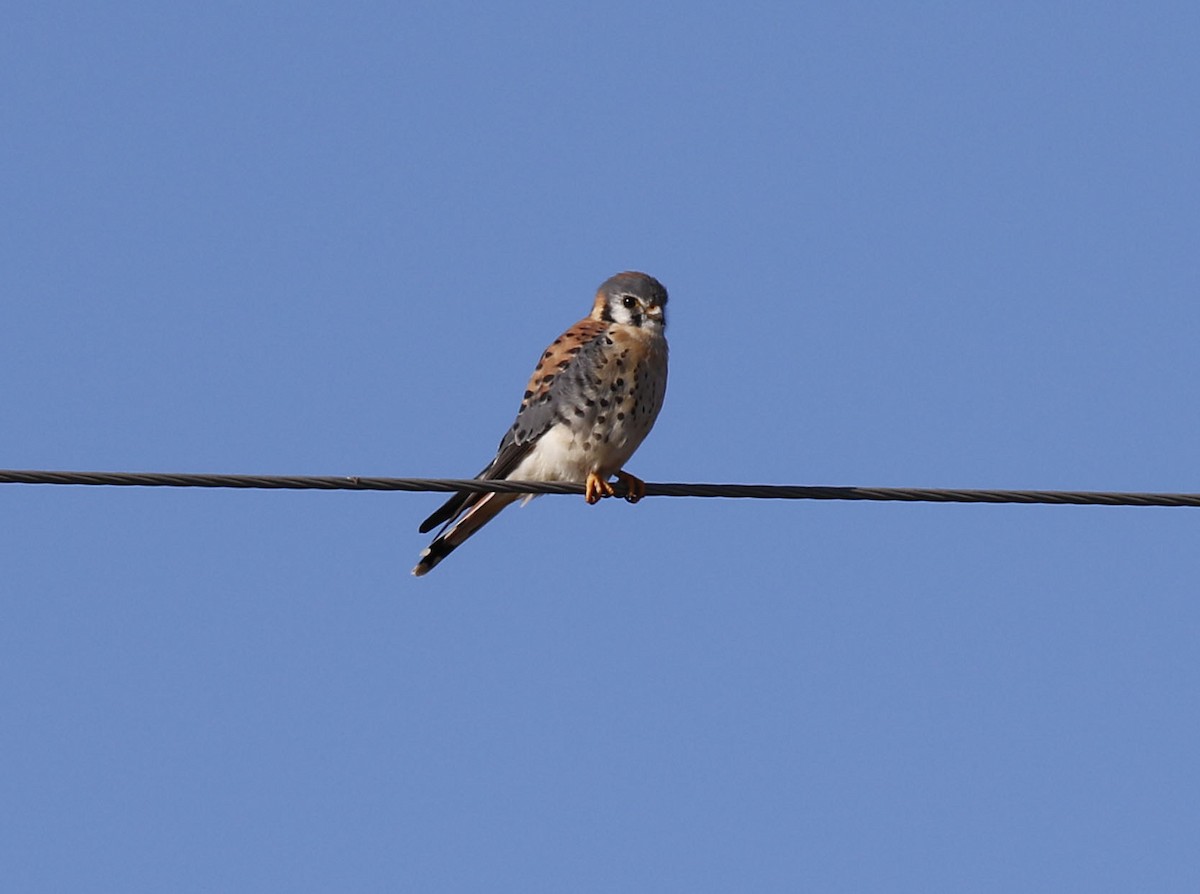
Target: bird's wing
556, 383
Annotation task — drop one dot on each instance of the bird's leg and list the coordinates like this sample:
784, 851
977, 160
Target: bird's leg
635, 488
595, 488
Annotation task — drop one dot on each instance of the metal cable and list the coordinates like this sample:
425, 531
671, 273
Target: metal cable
742, 491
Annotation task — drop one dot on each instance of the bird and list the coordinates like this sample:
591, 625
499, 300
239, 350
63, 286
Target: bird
592, 399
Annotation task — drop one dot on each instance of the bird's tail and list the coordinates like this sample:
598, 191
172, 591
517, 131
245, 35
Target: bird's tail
482, 511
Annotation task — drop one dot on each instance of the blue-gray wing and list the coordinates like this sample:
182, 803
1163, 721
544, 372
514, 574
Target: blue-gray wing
567, 373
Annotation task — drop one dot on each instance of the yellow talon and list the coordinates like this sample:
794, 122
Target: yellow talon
635, 488
595, 488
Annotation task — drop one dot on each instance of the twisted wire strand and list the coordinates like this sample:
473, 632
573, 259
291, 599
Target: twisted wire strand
736, 491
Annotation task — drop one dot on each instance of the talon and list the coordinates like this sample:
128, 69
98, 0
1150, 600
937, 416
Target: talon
635, 488
596, 488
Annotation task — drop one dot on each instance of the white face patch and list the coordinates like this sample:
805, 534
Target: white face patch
630, 310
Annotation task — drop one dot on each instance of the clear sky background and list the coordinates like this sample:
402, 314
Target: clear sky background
922, 244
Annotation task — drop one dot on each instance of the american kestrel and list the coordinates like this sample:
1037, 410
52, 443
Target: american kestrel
590, 403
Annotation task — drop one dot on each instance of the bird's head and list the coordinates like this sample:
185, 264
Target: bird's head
632, 299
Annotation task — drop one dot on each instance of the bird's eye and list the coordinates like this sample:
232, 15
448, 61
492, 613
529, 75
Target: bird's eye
630, 302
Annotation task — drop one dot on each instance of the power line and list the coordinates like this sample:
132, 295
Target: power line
737, 491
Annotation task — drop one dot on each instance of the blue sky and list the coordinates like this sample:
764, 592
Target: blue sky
941, 245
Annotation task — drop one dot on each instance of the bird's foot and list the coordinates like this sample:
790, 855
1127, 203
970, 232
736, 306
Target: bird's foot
595, 488
635, 488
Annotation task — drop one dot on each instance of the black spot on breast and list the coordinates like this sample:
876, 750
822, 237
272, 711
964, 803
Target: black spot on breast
601, 419
608, 340
579, 411
528, 394
620, 417
604, 402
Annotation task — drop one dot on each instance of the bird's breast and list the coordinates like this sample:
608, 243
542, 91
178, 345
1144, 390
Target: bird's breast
605, 414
